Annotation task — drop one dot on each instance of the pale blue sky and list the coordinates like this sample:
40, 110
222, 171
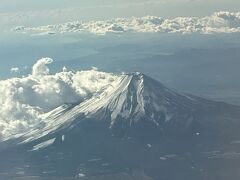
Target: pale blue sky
41, 12
168, 8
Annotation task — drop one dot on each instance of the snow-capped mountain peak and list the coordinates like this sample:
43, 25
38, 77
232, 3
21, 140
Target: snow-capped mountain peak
133, 98
130, 121
140, 97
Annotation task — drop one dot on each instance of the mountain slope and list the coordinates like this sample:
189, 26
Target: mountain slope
135, 125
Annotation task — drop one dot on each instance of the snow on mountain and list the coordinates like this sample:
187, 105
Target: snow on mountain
219, 22
131, 98
43, 104
113, 123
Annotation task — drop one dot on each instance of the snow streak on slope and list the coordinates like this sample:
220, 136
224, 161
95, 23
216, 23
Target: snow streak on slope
24, 101
219, 22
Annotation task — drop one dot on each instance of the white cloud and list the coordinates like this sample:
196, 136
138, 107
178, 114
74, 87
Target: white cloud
25, 100
41, 68
219, 22
14, 70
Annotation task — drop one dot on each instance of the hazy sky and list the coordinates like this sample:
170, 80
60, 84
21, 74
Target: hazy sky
113, 8
42, 12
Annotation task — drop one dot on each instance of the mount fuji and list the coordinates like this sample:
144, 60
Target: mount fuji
137, 129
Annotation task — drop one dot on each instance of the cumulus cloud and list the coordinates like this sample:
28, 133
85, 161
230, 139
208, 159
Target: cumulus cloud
219, 22
41, 68
24, 101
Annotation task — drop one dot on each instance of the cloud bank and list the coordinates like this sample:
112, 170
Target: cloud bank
24, 101
219, 22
